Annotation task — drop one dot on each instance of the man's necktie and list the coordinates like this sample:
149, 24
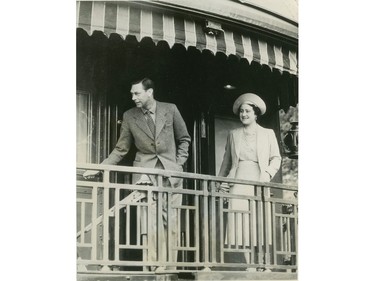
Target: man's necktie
150, 122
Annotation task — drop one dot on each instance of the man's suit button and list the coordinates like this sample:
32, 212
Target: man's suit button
152, 144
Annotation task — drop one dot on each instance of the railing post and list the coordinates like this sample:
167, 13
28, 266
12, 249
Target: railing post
296, 232
288, 237
127, 228
205, 225
213, 222
117, 224
169, 228
253, 229
260, 225
94, 237
160, 229
140, 230
186, 237
267, 224
105, 219
147, 236
197, 227
222, 232
274, 246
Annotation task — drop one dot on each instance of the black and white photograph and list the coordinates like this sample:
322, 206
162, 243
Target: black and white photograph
187, 140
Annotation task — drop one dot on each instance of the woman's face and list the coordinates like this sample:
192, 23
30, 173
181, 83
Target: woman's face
247, 115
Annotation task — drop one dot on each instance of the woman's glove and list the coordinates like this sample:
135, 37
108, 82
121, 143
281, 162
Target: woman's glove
223, 187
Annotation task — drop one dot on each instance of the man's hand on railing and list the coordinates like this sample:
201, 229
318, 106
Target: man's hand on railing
144, 180
90, 174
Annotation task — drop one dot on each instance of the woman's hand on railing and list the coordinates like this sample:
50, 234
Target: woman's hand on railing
217, 186
223, 187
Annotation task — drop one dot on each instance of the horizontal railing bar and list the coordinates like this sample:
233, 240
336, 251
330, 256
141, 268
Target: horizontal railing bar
188, 192
129, 272
281, 200
236, 211
83, 189
138, 263
274, 266
89, 184
182, 264
117, 273
156, 188
125, 272
236, 196
285, 252
169, 173
113, 273
286, 216
185, 207
185, 248
80, 200
184, 191
81, 194
120, 185
140, 247
237, 250
126, 186
84, 245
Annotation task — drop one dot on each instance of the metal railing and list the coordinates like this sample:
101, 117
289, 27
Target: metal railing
112, 229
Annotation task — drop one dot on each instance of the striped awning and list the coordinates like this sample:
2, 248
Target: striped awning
125, 19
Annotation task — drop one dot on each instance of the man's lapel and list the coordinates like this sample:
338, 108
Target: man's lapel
160, 118
140, 120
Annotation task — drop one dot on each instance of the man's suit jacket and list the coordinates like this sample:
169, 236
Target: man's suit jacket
268, 153
170, 145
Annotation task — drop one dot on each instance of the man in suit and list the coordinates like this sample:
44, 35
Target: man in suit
160, 135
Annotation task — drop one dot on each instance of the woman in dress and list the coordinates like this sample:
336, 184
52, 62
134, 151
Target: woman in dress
251, 153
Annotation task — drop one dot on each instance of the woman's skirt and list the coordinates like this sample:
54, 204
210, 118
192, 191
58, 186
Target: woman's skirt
239, 223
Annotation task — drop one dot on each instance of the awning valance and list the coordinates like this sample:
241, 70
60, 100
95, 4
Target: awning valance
125, 19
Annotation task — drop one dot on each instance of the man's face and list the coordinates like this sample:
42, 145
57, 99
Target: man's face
140, 96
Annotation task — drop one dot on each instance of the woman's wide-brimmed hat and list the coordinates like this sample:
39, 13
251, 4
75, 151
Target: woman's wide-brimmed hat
249, 98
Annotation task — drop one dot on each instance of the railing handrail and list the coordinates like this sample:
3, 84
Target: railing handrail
186, 175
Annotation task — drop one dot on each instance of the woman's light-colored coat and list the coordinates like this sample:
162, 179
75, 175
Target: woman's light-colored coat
268, 152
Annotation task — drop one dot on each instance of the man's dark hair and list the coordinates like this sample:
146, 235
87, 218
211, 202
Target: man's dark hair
147, 83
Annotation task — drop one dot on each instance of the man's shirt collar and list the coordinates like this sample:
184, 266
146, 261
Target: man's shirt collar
152, 109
